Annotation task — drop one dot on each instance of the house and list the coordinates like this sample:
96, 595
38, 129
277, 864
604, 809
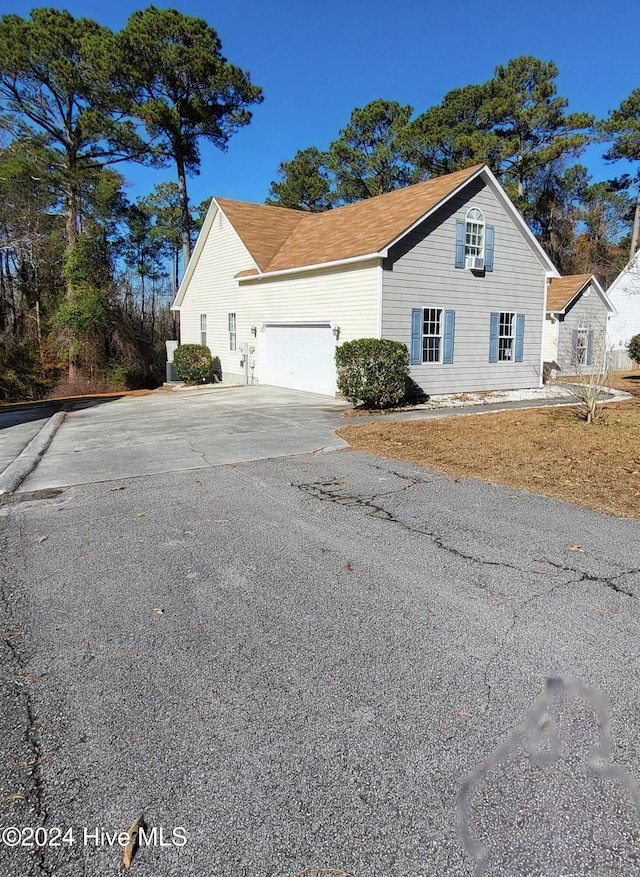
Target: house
446, 266
575, 329
624, 294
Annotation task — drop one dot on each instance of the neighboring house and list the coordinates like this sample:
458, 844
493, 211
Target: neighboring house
624, 294
575, 332
447, 267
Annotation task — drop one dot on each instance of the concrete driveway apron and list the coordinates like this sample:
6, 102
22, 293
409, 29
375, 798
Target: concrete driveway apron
176, 431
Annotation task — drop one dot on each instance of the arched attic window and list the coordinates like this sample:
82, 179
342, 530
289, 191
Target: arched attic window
475, 241
474, 234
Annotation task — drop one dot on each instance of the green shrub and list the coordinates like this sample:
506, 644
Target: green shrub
193, 363
373, 371
634, 349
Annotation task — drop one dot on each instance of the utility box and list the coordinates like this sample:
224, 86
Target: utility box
170, 368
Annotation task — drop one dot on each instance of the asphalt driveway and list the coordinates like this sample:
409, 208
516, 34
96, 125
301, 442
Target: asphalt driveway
294, 663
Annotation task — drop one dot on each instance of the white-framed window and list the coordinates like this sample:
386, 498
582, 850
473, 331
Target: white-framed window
203, 330
506, 336
232, 331
474, 233
432, 335
582, 342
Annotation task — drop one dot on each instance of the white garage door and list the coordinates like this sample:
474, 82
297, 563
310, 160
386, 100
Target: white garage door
299, 356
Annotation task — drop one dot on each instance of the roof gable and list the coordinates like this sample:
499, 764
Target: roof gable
280, 239
628, 280
563, 291
365, 227
261, 228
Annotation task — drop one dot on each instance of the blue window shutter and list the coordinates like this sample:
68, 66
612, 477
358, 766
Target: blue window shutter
489, 239
574, 346
494, 328
449, 332
416, 336
590, 348
519, 337
461, 230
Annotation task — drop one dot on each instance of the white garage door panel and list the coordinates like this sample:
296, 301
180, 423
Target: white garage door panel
299, 357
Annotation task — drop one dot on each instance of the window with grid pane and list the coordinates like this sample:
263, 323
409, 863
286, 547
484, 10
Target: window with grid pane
506, 336
474, 236
203, 330
232, 331
582, 342
432, 335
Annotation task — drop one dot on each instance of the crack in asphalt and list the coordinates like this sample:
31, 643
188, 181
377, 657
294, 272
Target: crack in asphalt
31, 736
608, 581
330, 491
516, 612
325, 491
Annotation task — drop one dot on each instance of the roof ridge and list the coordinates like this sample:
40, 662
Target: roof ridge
337, 213
219, 198
282, 238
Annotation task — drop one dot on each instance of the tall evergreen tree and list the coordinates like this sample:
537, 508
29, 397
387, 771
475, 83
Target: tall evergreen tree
304, 184
623, 128
452, 135
531, 123
55, 83
183, 90
367, 157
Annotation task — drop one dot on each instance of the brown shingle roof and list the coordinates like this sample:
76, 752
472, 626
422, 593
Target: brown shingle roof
561, 290
262, 229
280, 239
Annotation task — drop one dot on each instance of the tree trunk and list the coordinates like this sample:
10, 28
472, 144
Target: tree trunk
153, 311
636, 225
4, 297
72, 211
142, 302
185, 216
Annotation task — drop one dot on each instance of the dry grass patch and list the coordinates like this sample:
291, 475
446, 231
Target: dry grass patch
544, 450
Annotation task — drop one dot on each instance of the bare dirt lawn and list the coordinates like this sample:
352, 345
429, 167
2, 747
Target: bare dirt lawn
544, 450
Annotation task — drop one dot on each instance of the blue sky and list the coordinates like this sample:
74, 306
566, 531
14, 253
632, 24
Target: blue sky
317, 60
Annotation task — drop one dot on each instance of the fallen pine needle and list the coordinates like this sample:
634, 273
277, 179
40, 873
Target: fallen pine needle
15, 797
132, 845
338, 871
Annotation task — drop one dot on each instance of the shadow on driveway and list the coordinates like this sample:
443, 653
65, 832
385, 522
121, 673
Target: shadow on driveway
27, 412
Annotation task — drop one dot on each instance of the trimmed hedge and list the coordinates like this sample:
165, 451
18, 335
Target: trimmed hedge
373, 371
633, 348
193, 363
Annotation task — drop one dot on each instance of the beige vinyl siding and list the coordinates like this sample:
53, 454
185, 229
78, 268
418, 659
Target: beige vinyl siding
211, 287
421, 272
592, 310
550, 341
345, 296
